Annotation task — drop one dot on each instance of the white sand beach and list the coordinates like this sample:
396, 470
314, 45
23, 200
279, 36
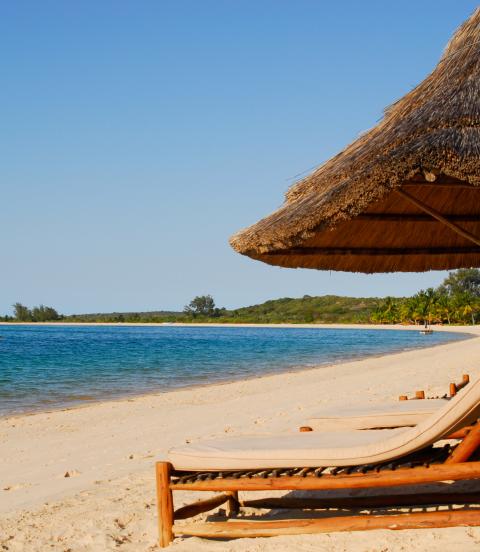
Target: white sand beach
83, 479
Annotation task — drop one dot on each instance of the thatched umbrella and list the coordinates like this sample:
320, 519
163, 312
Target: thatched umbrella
405, 196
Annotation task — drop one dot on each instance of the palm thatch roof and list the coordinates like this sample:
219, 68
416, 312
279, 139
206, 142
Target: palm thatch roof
405, 196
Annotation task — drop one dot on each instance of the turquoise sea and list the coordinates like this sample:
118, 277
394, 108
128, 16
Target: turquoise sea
46, 367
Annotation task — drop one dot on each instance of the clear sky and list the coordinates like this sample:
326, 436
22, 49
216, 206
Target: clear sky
137, 136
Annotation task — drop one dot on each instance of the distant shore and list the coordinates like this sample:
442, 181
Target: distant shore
442, 328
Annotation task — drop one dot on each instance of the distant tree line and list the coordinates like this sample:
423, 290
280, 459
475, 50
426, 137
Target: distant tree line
455, 301
42, 313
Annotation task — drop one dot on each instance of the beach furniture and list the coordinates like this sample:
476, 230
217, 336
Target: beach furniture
406, 412
325, 461
388, 415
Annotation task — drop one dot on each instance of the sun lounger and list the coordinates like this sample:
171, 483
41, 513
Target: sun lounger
319, 461
388, 415
404, 413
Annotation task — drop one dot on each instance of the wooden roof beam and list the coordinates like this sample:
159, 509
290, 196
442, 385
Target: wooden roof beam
437, 184
411, 217
436, 215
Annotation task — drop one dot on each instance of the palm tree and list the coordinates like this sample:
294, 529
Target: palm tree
386, 312
444, 307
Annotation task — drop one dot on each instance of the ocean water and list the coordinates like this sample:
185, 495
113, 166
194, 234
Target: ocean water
47, 367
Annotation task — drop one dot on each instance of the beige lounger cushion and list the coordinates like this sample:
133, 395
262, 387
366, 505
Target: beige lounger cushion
393, 414
313, 449
273, 451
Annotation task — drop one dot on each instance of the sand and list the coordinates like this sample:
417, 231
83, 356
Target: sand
83, 479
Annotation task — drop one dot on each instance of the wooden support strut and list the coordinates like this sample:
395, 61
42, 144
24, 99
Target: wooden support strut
460, 433
436, 215
245, 529
192, 510
466, 448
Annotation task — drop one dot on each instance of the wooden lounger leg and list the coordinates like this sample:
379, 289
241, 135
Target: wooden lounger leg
164, 504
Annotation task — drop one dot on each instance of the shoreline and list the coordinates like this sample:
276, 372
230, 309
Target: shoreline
108, 449
335, 326
475, 331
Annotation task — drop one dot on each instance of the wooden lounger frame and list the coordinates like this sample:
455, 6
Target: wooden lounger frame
453, 388
434, 464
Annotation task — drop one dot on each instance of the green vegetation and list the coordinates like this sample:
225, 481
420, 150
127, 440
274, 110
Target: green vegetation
325, 309
21, 313
329, 308
456, 301
202, 305
134, 317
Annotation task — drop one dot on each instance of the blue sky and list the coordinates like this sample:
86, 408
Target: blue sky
137, 136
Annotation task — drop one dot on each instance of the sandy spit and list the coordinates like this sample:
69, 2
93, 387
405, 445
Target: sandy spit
83, 480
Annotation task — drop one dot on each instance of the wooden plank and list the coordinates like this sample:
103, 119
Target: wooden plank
390, 478
201, 506
363, 502
377, 251
437, 215
164, 504
245, 529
